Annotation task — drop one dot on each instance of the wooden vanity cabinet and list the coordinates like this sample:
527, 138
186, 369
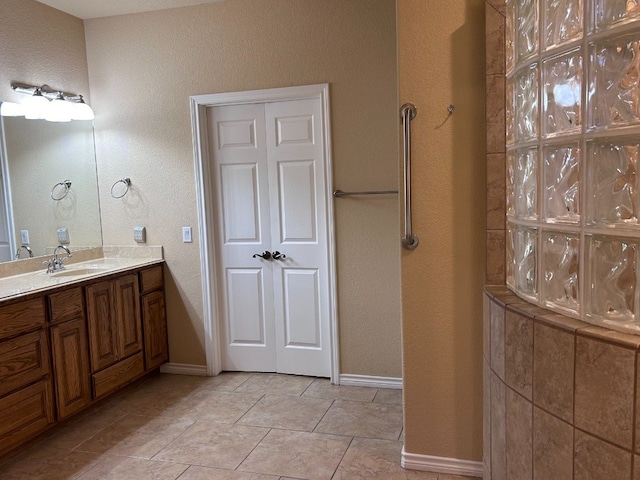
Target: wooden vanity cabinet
154, 317
68, 332
26, 397
115, 332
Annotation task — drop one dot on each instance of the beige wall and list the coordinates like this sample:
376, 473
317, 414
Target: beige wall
40, 45
441, 62
144, 67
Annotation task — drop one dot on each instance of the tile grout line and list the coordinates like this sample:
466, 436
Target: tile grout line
342, 457
323, 415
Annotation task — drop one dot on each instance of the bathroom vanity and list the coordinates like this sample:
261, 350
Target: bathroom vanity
71, 338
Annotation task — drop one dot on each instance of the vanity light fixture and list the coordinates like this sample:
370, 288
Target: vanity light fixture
46, 103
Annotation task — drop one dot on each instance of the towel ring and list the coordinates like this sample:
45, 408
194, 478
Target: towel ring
66, 184
127, 183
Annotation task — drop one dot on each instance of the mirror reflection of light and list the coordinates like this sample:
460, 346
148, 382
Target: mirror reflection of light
566, 94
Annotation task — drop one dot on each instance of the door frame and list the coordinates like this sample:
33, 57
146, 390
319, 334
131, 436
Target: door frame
206, 223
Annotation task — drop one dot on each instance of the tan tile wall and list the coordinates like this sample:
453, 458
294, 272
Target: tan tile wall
495, 141
560, 395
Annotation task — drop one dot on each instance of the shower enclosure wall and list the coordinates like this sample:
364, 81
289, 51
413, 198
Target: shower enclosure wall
561, 325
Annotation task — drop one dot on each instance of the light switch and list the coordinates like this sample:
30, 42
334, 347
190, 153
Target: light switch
140, 234
24, 237
186, 235
63, 235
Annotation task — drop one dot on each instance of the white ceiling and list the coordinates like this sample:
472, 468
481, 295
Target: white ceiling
101, 8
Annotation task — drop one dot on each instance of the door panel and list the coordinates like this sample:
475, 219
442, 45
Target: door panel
301, 313
297, 201
240, 203
245, 288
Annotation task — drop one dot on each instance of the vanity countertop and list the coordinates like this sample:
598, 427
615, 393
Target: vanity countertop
88, 264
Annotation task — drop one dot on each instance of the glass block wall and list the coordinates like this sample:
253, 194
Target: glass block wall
573, 145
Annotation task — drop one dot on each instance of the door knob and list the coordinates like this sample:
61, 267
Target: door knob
266, 255
277, 255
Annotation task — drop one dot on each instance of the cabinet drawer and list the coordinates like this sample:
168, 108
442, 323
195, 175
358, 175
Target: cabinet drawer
23, 360
151, 279
66, 305
117, 375
24, 414
21, 317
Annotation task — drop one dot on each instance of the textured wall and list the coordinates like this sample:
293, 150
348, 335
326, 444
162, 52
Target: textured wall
441, 62
41, 45
144, 67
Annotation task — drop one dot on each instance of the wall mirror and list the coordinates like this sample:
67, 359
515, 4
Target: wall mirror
49, 173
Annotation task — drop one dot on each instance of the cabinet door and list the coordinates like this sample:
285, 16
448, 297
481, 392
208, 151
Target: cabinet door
71, 366
103, 330
128, 315
154, 320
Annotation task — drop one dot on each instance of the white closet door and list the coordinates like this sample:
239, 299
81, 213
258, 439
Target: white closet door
269, 169
298, 215
245, 283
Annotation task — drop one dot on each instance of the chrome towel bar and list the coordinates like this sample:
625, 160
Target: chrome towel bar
340, 193
408, 112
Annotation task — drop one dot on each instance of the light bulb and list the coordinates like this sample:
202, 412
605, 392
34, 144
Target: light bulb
36, 106
59, 110
81, 111
10, 109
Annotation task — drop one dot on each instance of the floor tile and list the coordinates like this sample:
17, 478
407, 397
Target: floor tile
297, 454
46, 463
136, 436
75, 431
286, 412
119, 468
322, 388
276, 384
372, 459
213, 444
370, 420
388, 395
207, 473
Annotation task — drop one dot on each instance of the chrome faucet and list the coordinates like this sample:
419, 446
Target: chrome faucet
27, 248
56, 263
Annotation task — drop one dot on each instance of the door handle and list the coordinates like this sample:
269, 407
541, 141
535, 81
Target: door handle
266, 255
277, 255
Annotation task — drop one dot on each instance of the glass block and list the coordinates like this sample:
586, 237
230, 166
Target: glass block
612, 182
526, 104
510, 186
612, 279
525, 254
510, 121
526, 28
510, 35
510, 256
563, 21
614, 74
525, 185
561, 258
610, 12
562, 183
562, 93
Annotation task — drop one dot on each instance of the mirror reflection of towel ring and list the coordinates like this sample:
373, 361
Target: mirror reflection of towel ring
127, 183
60, 193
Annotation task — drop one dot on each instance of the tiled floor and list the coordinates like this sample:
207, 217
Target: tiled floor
237, 426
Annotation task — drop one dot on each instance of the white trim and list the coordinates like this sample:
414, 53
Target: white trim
370, 381
452, 466
199, 104
7, 202
184, 369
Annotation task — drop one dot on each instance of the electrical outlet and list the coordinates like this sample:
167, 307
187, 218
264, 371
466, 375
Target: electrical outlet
140, 234
186, 235
24, 237
63, 235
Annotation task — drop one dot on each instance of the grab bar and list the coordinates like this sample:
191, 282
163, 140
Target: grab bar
340, 193
408, 112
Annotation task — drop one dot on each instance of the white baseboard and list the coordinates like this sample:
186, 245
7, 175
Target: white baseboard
184, 369
452, 466
370, 381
